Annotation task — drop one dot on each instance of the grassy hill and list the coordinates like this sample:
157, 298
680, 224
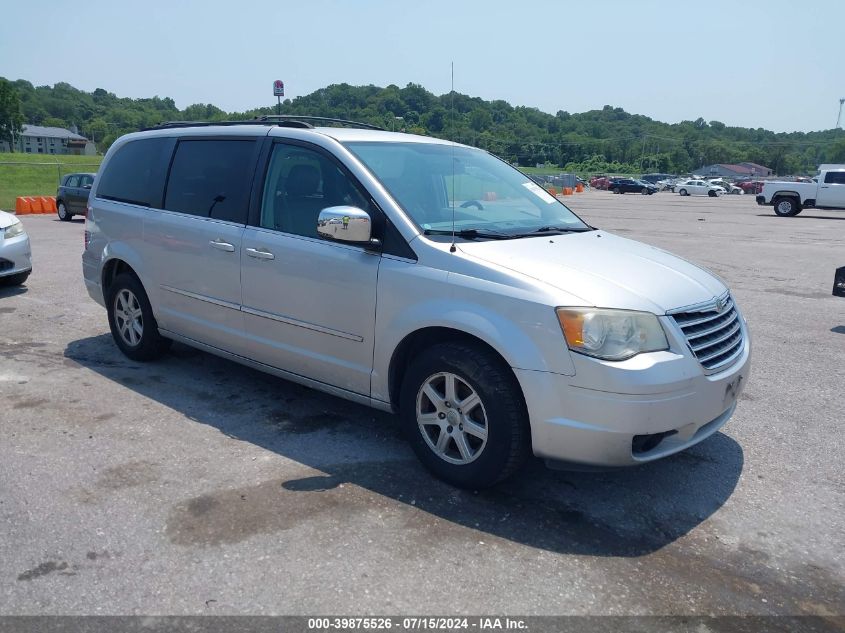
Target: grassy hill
37, 174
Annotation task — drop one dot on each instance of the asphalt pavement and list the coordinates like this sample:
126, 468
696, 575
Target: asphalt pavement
193, 485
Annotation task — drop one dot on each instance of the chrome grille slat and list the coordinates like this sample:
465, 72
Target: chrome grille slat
715, 328
696, 318
733, 330
727, 361
715, 338
720, 350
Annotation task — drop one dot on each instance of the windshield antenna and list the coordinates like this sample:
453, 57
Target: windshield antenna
452, 248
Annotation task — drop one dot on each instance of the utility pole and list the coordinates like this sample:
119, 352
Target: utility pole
642, 156
839, 117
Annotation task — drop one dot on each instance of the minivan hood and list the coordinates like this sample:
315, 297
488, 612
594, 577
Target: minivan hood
604, 270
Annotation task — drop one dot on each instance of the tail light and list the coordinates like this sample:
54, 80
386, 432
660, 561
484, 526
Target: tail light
87, 233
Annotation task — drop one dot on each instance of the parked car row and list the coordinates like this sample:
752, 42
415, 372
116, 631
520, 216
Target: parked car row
652, 183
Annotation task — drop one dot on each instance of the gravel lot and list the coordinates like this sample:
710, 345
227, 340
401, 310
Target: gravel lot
196, 486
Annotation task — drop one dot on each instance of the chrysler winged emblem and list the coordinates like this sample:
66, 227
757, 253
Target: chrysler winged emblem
720, 304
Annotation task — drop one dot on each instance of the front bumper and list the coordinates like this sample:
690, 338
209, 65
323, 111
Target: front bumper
639, 410
761, 200
15, 255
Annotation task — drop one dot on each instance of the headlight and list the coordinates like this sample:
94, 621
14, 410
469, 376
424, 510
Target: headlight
611, 334
14, 230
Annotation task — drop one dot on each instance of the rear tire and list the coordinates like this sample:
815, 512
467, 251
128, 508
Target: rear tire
616, 190
462, 411
786, 206
131, 320
63, 213
683, 192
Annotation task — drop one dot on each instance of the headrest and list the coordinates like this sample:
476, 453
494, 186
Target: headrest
303, 180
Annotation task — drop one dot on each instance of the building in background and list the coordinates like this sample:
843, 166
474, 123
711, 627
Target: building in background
37, 139
739, 170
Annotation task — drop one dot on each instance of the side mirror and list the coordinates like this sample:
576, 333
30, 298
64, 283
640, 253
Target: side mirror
345, 224
839, 282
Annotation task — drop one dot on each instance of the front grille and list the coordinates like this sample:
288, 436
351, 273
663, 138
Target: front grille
715, 337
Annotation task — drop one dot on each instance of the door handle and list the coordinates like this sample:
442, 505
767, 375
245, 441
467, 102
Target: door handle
260, 253
220, 245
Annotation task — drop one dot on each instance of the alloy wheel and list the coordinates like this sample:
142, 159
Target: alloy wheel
451, 418
128, 317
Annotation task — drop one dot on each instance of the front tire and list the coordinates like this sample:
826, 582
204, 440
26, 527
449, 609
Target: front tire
63, 213
711, 193
463, 413
645, 191
131, 320
786, 206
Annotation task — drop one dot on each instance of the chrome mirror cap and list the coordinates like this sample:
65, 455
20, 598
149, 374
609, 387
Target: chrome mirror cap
345, 224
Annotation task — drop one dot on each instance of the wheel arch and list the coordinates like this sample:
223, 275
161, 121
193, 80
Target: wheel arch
415, 342
114, 267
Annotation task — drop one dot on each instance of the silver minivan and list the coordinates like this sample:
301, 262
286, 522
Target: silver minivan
417, 276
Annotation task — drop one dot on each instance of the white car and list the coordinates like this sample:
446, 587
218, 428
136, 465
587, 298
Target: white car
728, 187
698, 188
15, 254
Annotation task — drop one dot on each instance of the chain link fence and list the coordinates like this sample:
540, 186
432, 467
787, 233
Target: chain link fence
37, 178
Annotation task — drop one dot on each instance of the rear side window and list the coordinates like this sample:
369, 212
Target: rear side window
135, 174
72, 181
211, 178
835, 177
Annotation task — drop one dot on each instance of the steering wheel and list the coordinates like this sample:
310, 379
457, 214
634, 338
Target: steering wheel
472, 203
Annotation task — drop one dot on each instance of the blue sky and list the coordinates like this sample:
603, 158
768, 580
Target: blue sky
778, 64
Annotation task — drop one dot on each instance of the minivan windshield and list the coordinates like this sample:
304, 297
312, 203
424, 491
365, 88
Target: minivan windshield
488, 198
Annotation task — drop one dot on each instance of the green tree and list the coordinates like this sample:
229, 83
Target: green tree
11, 117
52, 121
480, 119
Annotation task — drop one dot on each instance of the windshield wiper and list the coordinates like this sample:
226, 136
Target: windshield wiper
558, 229
472, 234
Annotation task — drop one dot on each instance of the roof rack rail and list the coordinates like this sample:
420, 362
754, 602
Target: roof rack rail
173, 124
282, 120
319, 119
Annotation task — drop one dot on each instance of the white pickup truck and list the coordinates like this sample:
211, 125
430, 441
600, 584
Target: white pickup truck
827, 191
